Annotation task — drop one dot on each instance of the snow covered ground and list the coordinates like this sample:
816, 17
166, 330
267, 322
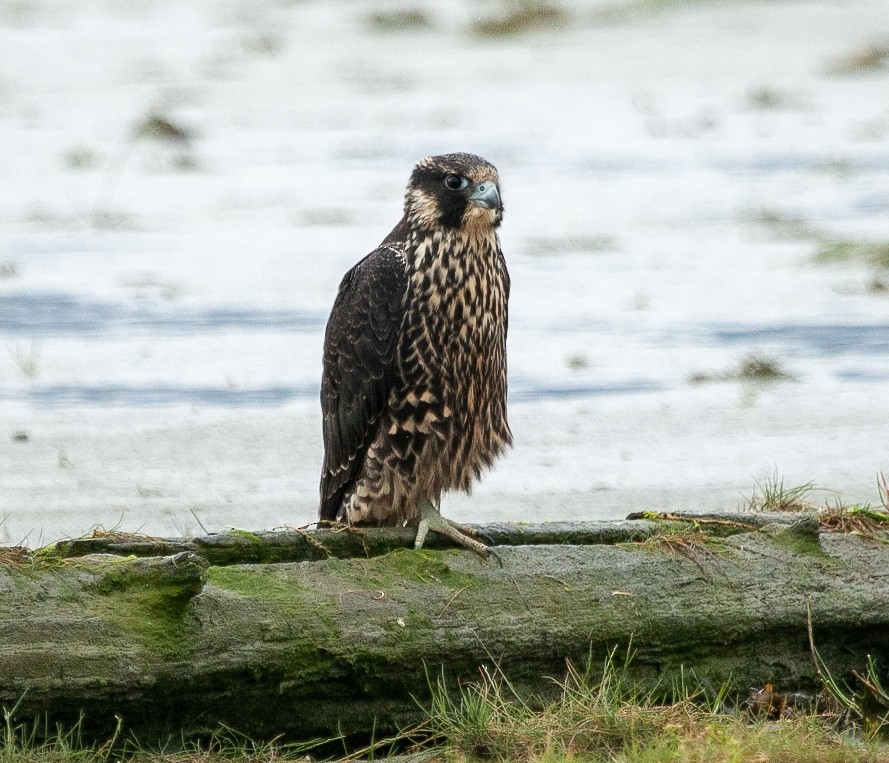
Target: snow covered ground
182, 185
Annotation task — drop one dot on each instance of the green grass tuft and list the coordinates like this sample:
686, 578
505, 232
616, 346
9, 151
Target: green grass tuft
771, 495
782, 225
751, 368
871, 253
37, 742
81, 158
162, 128
868, 59
599, 716
399, 20
760, 368
877, 285
521, 18
767, 98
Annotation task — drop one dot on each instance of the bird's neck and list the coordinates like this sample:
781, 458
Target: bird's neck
448, 248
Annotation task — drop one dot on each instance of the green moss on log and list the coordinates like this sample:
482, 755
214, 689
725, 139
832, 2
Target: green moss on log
429, 567
148, 599
263, 584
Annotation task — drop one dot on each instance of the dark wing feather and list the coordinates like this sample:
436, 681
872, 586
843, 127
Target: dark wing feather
359, 357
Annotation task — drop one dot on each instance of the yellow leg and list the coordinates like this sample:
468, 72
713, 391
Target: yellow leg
431, 519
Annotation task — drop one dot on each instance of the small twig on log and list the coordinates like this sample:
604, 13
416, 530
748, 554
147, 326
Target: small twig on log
10, 555
198, 520
521, 595
450, 601
811, 633
690, 519
309, 539
689, 546
878, 694
375, 595
558, 580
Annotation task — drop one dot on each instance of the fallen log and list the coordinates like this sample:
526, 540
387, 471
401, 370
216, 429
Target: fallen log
191, 637
299, 545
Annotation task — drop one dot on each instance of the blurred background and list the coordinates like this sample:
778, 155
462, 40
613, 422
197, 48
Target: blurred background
697, 228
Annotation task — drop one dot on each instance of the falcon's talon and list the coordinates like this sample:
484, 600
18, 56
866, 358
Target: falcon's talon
472, 532
431, 519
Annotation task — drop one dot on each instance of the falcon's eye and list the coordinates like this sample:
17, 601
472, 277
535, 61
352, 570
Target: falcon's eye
456, 183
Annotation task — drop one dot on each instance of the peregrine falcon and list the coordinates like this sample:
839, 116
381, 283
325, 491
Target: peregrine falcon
413, 392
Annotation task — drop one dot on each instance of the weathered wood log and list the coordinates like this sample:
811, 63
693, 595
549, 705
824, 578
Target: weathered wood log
299, 545
176, 643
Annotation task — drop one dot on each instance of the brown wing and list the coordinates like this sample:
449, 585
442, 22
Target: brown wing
359, 357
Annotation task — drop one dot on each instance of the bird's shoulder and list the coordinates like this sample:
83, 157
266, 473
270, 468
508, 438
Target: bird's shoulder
382, 272
370, 296
361, 334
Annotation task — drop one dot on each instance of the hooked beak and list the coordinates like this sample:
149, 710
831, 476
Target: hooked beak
486, 195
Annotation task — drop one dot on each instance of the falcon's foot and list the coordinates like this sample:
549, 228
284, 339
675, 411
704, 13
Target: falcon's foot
431, 519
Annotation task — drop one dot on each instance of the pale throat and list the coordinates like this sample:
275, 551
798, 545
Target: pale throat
477, 246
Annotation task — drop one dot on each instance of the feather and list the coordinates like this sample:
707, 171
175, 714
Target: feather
357, 366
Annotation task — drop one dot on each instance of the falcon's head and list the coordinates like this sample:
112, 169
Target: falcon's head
456, 191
